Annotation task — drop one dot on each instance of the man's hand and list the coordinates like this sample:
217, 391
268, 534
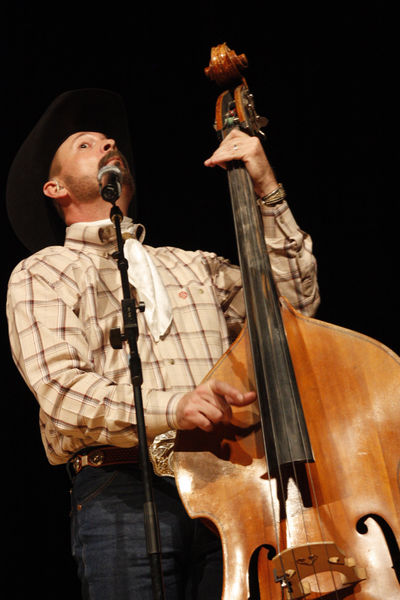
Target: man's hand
239, 146
208, 404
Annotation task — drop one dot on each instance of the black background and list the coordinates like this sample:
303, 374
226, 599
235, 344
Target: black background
326, 78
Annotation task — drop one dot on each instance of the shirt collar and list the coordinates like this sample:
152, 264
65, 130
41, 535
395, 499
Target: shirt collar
101, 235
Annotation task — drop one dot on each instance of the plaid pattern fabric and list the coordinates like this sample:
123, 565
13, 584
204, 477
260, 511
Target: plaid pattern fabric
63, 301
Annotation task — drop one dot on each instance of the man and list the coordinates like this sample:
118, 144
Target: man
64, 300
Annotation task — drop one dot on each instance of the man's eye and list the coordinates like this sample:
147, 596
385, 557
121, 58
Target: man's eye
84, 145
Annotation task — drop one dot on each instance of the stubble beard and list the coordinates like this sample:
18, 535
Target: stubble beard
86, 188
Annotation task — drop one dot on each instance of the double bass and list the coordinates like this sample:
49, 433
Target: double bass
303, 485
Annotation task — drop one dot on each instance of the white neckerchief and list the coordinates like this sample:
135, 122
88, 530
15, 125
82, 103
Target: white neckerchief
143, 275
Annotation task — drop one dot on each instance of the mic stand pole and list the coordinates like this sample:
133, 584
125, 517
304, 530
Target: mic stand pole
130, 334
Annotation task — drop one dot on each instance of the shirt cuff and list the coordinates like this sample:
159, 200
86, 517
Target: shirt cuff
278, 221
160, 412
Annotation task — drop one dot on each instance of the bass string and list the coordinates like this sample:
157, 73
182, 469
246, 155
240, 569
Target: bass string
238, 178
240, 185
284, 483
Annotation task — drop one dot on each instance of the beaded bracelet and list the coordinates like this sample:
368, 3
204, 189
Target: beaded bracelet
273, 197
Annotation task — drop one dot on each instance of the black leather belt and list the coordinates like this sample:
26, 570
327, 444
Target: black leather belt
102, 456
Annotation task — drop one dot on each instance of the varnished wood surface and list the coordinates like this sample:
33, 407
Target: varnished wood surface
350, 390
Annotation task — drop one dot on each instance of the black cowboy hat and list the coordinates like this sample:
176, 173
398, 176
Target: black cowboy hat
32, 215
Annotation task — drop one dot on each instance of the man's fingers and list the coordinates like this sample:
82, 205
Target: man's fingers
210, 403
203, 413
231, 394
227, 150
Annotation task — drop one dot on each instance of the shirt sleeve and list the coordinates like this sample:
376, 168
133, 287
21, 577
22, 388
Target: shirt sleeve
293, 266
50, 348
292, 261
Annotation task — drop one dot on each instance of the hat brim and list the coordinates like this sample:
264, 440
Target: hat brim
31, 213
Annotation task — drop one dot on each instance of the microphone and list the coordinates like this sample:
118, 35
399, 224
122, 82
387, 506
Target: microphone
110, 181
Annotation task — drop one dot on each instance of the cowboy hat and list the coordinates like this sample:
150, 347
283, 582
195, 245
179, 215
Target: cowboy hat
31, 213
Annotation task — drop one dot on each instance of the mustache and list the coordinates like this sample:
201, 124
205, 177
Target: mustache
127, 177
112, 155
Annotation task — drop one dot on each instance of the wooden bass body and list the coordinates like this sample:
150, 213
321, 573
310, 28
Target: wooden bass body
325, 528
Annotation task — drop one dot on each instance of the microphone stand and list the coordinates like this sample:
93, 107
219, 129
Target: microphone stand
130, 334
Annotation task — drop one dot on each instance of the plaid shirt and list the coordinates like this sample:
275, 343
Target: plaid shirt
63, 301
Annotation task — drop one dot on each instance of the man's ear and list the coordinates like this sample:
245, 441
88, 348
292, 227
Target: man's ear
53, 189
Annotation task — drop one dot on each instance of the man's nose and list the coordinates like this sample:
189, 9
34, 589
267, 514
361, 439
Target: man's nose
108, 144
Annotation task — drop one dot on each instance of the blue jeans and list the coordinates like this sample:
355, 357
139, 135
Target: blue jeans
109, 545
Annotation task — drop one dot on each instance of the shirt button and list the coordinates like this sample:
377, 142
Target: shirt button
171, 361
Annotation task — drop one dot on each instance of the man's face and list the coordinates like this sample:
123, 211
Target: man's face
81, 156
